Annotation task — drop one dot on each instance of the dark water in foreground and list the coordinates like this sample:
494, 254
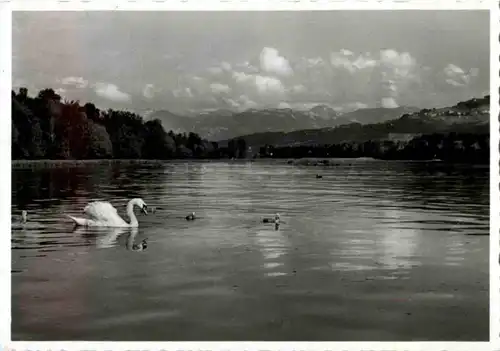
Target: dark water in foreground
373, 251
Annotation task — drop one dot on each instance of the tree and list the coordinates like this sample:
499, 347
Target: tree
99, 145
157, 143
241, 147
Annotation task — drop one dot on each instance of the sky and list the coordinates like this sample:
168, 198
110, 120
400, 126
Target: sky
189, 62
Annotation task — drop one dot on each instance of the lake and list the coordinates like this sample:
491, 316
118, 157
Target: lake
374, 250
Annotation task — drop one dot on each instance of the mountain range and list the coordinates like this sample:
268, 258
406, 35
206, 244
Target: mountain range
471, 116
226, 124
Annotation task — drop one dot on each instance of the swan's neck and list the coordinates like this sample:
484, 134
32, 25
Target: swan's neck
131, 214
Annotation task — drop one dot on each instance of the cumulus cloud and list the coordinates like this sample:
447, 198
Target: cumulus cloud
246, 102
60, 91
317, 61
111, 92
149, 91
456, 76
242, 77
263, 84
247, 67
389, 102
240, 103
218, 88
77, 82
269, 85
371, 79
272, 62
345, 80
401, 65
344, 59
346, 52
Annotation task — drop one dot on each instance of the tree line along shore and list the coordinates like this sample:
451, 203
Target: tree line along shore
46, 127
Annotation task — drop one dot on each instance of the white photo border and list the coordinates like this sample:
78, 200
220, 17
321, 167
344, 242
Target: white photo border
6, 8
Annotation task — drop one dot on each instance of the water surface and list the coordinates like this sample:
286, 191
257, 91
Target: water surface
372, 251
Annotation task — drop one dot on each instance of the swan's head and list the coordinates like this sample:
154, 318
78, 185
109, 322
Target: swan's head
24, 216
141, 204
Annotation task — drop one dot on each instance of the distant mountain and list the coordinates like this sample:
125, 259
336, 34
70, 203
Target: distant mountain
470, 116
225, 124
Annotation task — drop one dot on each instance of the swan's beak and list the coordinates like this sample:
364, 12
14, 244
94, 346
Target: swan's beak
144, 209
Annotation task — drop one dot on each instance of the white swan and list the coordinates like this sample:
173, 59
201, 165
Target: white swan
103, 214
21, 224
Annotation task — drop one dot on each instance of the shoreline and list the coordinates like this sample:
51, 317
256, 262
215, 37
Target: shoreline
314, 162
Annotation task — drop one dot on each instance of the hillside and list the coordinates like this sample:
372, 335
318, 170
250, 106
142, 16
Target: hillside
470, 116
225, 124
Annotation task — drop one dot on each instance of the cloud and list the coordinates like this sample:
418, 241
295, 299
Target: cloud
457, 77
218, 88
345, 80
77, 82
454, 83
345, 59
246, 66
263, 84
272, 62
183, 93
246, 102
346, 52
242, 77
269, 85
226, 66
111, 92
297, 89
389, 102
363, 62
357, 105
149, 91
395, 58
398, 65
215, 70
351, 106
240, 103
60, 91
317, 61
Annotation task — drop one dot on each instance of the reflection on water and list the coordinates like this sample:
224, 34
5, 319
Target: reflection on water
273, 246
368, 244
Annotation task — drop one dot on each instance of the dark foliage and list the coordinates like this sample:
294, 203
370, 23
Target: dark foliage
45, 127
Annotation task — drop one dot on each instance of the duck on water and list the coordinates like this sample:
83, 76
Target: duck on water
23, 223
275, 220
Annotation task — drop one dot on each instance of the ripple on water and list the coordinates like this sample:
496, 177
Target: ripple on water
369, 238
